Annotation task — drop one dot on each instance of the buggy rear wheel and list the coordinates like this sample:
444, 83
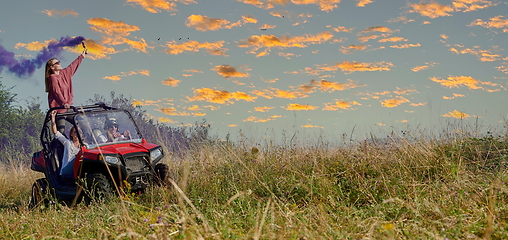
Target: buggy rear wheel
98, 188
39, 194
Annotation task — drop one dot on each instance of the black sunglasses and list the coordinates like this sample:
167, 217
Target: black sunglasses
57, 62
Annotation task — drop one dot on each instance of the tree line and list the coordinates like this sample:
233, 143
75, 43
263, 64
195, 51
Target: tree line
21, 124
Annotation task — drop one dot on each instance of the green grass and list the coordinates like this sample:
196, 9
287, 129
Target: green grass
454, 188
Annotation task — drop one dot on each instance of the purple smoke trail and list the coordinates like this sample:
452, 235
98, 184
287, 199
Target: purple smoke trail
26, 67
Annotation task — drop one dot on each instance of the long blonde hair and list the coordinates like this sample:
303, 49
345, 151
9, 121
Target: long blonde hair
48, 72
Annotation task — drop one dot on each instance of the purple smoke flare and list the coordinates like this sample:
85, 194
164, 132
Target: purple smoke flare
25, 68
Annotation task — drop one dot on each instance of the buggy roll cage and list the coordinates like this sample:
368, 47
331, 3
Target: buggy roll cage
97, 107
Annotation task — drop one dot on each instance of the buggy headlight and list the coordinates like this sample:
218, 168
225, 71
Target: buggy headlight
111, 159
155, 154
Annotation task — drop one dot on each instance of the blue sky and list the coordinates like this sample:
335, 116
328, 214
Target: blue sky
263, 66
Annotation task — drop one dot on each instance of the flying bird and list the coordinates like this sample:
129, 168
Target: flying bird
180, 39
159, 39
263, 29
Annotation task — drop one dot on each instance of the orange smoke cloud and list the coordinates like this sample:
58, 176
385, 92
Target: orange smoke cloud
221, 97
456, 114
299, 107
390, 103
55, 13
194, 46
339, 105
171, 82
258, 120
228, 71
457, 81
256, 42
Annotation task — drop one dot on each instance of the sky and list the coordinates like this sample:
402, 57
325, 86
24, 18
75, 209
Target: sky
262, 68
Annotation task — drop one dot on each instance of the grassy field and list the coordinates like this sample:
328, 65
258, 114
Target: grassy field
403, 188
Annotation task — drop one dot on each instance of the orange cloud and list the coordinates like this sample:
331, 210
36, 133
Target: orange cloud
405, 45
324, 5
228, 71
154, 6
204, 23
423, 67
503, 68
471, 83
299, 107
495, 22
350, 67
328, 86
115, 33
377, 29
267, 26
256, 42
472, 5
362, 3
125, 74
339, 105
343, 29
263, 109
456, 114
166, 120
215, 48
417, 104
394, 102
455, 95
55, 13
221, 97
265, 4
274, 92
172, 111
171, 82
483, 55
311, 126
258, 120
393, 39
432, 9
348, 50
145, 102
34, 46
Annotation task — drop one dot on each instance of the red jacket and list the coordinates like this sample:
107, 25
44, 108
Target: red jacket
60, 90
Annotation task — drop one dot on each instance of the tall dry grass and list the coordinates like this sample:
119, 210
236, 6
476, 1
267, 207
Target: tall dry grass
409, 188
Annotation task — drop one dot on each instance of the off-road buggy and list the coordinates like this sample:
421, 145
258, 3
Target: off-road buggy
101, 169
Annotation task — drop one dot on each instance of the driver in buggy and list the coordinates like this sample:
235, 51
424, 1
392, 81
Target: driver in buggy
112, 134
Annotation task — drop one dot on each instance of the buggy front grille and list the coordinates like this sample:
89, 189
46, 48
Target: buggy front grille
137, 164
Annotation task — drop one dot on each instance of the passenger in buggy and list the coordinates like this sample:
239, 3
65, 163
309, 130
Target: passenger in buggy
112, 133
71, 147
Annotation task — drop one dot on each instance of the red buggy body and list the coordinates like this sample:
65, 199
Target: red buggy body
102, 165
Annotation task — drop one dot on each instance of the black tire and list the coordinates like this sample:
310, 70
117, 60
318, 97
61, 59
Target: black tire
161, 172
98, 188
39, 194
